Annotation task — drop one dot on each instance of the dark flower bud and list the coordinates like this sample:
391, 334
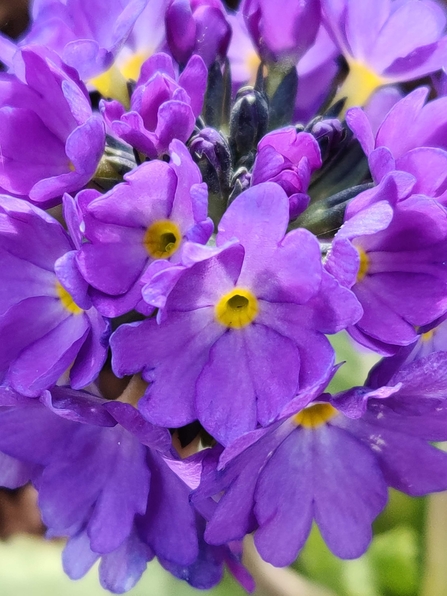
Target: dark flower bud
241, 181
329, 133
248, 121
211, 152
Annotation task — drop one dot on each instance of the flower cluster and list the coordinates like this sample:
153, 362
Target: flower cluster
182, 226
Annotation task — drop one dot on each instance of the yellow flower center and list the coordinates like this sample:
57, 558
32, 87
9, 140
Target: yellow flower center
359, 85
237, 309
132, 66
315, 415
67, 300
364, 264
425, 337
252, 63
162, 239
112, 85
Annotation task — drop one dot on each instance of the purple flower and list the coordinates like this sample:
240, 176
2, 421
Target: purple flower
106, 479
431, 338
14, 472
83, 34
211, 151
418, 149
390, 252
242, 54
282, 35
289, 159
47, 321
51, 140
333, 461
385, 42
146, 218
316, 72
161, 108
207, 570
139, 46
243, 328
316, 69
197, 27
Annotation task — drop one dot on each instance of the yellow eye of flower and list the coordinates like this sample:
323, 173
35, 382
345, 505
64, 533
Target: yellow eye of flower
112, 85
315, 415
364, 264
162, 239
359, 85
67, 300
427, 336
132, 66
252, 63
237, 309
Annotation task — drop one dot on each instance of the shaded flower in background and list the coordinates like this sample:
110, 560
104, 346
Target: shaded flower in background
385, 42
51, 141
197, 27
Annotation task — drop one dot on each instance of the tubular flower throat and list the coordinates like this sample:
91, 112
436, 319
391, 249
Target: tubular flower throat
162, 239
359, 85
315, 416
67, 300
427, 336
364, 264
112, 84
132, 66
237, 309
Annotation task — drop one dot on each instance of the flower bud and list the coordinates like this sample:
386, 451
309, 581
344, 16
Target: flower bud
248, 121
211, 152
197, 27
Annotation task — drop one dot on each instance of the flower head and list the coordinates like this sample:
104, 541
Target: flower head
47, 320
243, 323
161, 108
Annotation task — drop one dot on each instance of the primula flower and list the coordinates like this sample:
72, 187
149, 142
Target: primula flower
107, 480
85, 35
385, 41
161, 109
207, 570
243, 326
289, 159
282, 35
197, 27
333, 461
47, 321
418, 149
432, 338
146, 218
316, 72
139, 46
316, 69
51, 141
391, 252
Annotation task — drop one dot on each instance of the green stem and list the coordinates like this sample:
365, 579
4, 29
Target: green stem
434, 582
